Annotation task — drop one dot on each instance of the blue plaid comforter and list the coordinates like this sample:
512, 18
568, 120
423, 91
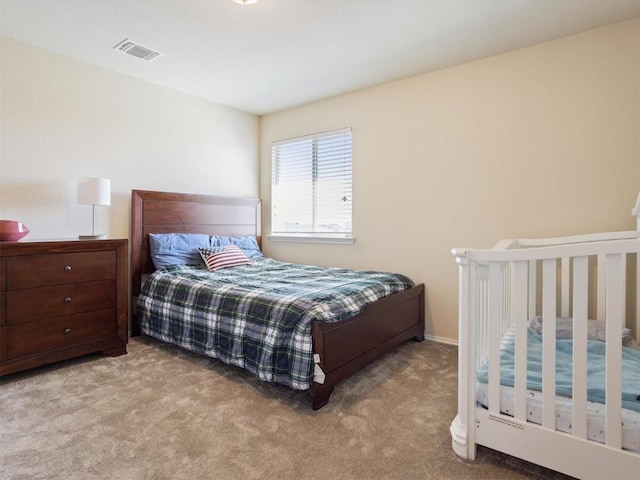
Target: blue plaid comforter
257, 316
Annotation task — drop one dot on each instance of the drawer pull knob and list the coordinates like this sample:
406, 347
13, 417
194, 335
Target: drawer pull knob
67, 331
67, 300
67, 268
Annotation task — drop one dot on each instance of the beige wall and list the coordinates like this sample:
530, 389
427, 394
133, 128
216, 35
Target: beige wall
62, 119
542, 141
537, 142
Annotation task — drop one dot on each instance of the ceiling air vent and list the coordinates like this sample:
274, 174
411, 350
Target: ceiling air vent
137, 50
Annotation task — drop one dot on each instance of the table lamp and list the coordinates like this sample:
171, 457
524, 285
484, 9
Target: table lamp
94, 191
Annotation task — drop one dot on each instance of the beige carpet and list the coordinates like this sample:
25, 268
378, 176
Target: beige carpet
162, 413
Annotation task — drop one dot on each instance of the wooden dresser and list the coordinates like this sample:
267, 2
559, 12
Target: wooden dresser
61, 299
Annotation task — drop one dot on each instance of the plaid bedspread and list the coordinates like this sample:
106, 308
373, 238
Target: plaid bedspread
257, 316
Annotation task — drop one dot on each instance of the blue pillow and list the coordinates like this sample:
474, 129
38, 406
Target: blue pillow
177, 248
248, 244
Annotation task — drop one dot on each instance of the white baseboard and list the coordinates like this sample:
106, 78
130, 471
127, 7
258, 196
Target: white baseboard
448, 341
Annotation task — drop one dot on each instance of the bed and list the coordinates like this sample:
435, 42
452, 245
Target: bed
339, 348
549, 370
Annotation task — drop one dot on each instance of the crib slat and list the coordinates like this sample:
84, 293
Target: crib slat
519, 308
532, 289
564, 287
482, 328
549, 343
506, 298
601, 289
580, 308
615, 294
495, 334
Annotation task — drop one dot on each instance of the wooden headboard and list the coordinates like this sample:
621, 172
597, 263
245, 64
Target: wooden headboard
166, 212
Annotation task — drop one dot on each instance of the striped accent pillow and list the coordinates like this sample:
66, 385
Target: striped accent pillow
223, 257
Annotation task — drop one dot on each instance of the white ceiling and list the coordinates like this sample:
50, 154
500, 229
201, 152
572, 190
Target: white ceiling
276, 54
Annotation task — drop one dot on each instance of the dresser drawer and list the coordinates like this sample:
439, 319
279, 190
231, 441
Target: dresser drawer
60, 300
59, 268
60, 332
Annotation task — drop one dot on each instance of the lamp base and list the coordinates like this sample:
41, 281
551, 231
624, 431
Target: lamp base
101, 236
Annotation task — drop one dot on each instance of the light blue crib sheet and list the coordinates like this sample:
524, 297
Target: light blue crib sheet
564, 360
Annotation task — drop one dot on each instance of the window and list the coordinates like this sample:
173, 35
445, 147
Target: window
311, 186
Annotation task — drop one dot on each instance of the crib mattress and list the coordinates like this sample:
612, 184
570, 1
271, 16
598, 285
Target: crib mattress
595, 415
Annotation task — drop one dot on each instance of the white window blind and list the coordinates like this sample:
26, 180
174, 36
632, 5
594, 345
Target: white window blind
311, 185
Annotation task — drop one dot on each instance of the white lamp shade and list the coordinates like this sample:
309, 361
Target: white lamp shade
94, 191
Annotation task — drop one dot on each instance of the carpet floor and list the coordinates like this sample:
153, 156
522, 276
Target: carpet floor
163, 413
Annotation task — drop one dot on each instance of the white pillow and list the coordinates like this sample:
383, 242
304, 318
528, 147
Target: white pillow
596, 329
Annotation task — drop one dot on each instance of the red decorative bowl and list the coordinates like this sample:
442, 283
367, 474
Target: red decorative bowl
10, 230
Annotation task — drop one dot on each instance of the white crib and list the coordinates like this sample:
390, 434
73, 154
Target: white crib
501, 289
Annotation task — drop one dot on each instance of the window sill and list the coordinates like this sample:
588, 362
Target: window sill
312, 239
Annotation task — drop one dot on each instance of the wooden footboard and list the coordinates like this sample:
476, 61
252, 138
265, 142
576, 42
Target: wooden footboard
345, 347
